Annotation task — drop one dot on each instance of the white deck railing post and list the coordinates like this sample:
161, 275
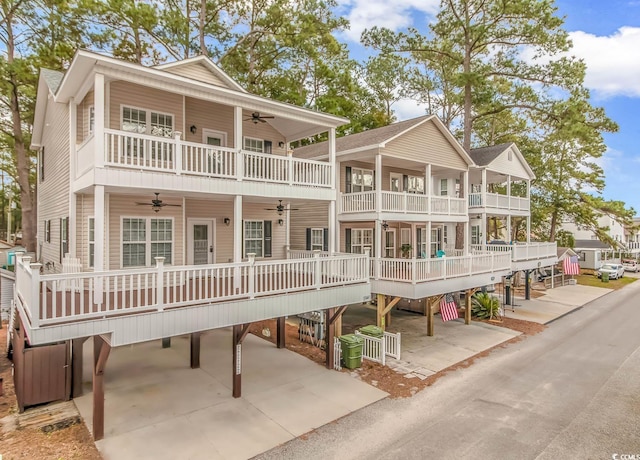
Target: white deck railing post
177, 153
160, 282
239, 165
289, 167
251, 275
34, 308
414, 269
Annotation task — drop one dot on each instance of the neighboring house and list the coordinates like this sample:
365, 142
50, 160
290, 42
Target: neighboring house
632, 237
615, 230
170, 190
593, 253
399, 186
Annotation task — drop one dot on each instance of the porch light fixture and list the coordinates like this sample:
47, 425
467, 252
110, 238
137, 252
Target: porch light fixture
193, 129
280, 222
385, 225
281, 144
227, 221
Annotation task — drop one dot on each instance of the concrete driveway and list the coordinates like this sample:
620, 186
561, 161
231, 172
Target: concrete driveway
157, 407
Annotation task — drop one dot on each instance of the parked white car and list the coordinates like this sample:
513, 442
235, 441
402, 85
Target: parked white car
630, 265
614, 271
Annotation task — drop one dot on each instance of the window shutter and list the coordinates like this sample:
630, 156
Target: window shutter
325, 239
373, 186
60, 236
308, 239
372, 253
41, 164
267, 238
347, 180
347, 240
419, 243
268, 146
405, 183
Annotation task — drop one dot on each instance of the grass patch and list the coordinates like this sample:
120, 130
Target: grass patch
592, 280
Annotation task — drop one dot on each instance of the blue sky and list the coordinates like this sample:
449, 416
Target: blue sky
606, 34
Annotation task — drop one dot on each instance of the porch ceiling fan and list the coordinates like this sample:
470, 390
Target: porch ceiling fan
156, 204
280, 208
257, 118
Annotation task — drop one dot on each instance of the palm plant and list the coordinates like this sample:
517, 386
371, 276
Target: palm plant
485, 306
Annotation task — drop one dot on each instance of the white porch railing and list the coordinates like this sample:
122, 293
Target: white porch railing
402, 202
633, 245
85, 156
173, 155
421, 270
519, 251
46, 300
496, 200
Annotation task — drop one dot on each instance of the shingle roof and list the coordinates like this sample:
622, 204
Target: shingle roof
366, 138
590, 244
485, 155
52, 77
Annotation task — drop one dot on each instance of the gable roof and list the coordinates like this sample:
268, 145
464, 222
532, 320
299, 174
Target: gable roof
378, 137
563, 253
208, 64
590, 244
484, 156
52, 78
48, 83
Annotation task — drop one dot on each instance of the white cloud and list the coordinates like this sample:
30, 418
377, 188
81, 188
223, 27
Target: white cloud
404, 109
613, 62
363, 14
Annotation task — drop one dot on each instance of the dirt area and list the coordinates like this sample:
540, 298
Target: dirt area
74, 442
383, 377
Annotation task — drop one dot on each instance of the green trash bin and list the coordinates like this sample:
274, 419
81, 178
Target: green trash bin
351, 346
605, 277
372, 331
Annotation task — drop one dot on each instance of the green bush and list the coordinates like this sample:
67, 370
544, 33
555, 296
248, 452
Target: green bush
485, 306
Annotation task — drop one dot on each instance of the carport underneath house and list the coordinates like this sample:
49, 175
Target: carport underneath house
68, 309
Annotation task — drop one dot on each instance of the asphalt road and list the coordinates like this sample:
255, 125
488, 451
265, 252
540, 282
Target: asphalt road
572, 391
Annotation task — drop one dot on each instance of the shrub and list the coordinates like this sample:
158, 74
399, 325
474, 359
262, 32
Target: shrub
485, 306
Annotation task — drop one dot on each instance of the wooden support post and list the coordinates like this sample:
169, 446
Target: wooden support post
68, 369
337, 330
166, 342
381, 302
76, 367
527, 285
281, 332
101, 351
239, 333
429, 313
467, 305
329, 336
195, 350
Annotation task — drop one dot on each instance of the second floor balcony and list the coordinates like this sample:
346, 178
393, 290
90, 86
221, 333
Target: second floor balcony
401, 203
497, 201
174, 156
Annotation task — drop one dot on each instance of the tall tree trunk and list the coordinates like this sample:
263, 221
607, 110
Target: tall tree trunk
27, 201
201, 22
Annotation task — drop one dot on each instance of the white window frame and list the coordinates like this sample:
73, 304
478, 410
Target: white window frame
91, 248
390, 250
355, 187
413, 188
476, 238
251, 148
222, 135
245, 251
405, 236
398, 177
444, 191
314, 237
147, 241
148, 113
362, 245
436, 243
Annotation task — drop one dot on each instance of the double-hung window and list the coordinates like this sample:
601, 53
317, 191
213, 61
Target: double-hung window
142, 121
144, 239
444, 187
361, 238
415, 184
254, 145
317, 239
92, 241
361, 180
91, 119
253, 237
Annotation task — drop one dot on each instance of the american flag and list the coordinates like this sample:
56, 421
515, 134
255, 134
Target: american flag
570, 266
448, 309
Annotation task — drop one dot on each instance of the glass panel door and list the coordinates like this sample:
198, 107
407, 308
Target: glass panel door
200, 244
390, 243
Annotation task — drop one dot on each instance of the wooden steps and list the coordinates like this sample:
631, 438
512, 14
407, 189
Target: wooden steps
52, 417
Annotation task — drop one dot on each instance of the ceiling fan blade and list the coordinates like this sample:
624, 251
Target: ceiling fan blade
144, 204
260, 119
169, 204
266, 116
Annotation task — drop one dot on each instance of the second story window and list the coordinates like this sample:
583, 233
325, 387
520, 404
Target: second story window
415, 184
443, 187
361, 180
91, 119
134, 120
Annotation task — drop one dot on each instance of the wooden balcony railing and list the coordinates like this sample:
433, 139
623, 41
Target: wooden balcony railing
56, 298
173, 155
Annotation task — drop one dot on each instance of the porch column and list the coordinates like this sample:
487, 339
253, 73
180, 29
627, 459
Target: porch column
483, 188
281, 329
339, 191
529, 209
527, 285
484, 228
427, 254
101, 351
528, 229
237, 142
99, 238
237, 239
508, 219
98, 121
509, 190
465, 192
195, 350
378, 185
287, 228
377, 245
332, 156
332, 227
427, 186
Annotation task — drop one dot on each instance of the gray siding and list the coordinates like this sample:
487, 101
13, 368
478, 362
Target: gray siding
309, 215
53, 192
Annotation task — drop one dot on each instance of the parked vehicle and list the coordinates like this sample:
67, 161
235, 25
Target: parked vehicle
630, 265
614, 271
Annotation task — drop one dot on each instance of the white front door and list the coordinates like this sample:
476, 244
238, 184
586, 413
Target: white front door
200, 248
